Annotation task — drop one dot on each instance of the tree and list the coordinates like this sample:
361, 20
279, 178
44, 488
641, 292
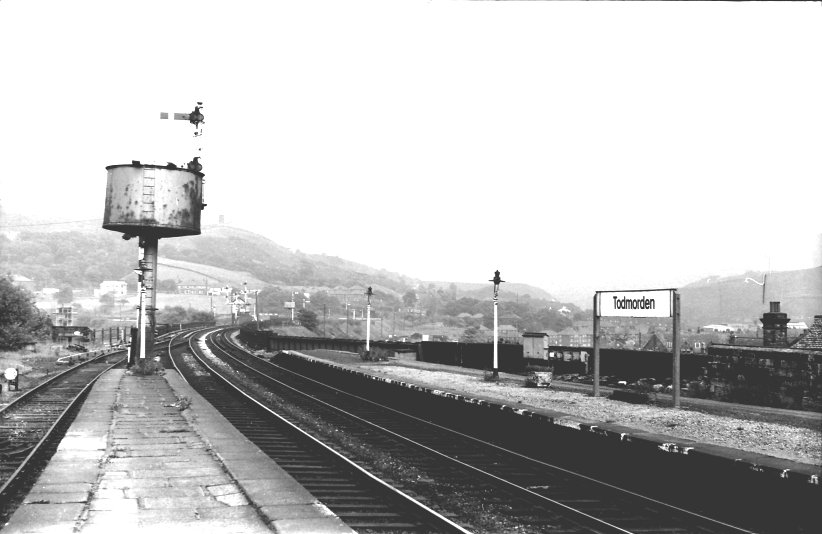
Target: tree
171, 315
322, 300
21, 322
167, 286
65, 296
106, 303
409, 299
471, 335
200, 316
180, 315
308, 319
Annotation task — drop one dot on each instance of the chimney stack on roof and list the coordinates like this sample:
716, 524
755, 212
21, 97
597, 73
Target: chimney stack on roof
775, 327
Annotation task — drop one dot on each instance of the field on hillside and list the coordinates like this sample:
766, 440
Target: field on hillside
189, 272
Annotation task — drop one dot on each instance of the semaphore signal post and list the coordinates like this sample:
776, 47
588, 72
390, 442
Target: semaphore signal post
150, 202
638, 303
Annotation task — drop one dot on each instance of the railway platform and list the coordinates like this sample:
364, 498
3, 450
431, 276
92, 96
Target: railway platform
148, 454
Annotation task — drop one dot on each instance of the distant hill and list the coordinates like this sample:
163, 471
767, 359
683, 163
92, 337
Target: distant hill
509, 291
81, 254
739, 298
240, 250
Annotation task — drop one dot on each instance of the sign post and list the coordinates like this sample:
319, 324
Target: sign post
676, 378
638, 303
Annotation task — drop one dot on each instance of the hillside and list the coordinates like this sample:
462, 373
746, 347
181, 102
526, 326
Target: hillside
195, 273
509, 291
81, 254
241, 250
739, 298
84, 255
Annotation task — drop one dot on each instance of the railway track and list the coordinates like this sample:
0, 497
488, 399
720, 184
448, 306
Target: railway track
521, 492
32, 426
362, 501
737, 496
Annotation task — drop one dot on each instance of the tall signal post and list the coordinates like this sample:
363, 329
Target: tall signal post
369, 293
150, 202
497, 281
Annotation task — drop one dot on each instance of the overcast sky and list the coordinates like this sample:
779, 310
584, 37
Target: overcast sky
593, 145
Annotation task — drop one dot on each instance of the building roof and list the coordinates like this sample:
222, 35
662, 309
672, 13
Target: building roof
718, 327
812, 339
656, 343
800, 325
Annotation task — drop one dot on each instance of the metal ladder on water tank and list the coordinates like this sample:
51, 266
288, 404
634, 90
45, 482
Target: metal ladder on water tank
148, 194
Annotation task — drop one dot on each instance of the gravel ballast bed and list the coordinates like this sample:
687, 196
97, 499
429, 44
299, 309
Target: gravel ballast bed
795, 442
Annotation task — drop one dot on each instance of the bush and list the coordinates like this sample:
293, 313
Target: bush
21, 322
148, 367
370, 356
634, 397
488, 376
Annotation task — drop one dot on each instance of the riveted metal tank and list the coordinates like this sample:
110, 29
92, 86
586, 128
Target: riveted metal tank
152, 200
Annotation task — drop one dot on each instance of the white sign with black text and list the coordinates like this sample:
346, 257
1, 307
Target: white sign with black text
650, 303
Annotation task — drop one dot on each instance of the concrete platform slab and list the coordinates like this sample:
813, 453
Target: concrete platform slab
134, 461
56, 498
123, 505
41, 518
331, 525
68, 472
62, 488
168, 491
75, 456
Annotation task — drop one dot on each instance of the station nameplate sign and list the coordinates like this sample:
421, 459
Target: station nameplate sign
651, 303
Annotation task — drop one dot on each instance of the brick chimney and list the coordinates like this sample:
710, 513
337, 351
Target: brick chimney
775, 327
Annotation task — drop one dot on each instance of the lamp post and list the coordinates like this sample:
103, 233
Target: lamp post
497, 281
368, 294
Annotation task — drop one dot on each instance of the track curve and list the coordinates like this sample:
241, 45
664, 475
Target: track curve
359, 499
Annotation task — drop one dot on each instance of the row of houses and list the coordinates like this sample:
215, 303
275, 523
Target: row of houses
119, 288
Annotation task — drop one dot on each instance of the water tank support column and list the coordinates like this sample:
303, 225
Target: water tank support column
150, 244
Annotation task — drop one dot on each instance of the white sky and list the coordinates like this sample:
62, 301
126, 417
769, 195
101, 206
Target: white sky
594, 145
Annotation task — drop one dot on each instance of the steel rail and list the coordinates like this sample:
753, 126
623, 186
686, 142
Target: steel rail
42, 385
13, 481
579, 515
432, 515
513, 486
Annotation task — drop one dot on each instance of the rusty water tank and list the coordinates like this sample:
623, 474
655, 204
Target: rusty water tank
144, 199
